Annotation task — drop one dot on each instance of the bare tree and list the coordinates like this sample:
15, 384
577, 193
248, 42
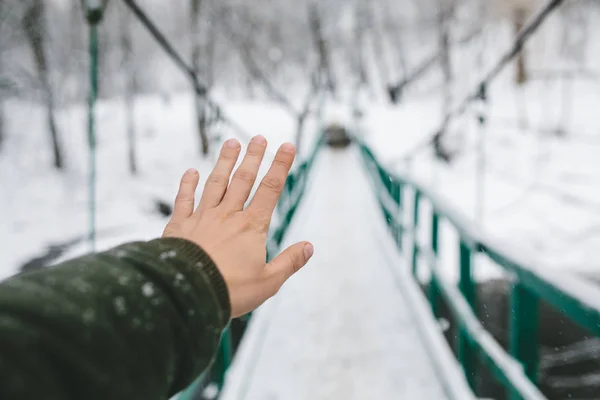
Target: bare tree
446, 11
257, 74
321, 46
199, 99
384, 66
358, 45
11, 13
519, 12
519, 18
130, 87
34, 25
2, 133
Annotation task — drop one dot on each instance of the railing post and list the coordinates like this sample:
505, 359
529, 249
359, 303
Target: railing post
226, 354
434, 290
395, 191
466, 355
401, 215
524, 331
466, 283
399, 196
415, 252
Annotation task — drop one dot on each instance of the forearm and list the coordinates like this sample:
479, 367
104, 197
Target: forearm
140, 321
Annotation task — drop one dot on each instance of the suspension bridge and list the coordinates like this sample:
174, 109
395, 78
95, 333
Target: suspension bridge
359, 323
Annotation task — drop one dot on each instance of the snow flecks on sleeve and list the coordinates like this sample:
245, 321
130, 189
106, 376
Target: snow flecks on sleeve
148, 289
81, 285
120, 305
89, 316
120, 253
168, 254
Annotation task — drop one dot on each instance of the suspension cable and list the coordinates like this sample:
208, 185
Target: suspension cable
522, 38
199, 87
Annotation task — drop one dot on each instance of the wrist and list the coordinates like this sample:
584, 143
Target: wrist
203, 264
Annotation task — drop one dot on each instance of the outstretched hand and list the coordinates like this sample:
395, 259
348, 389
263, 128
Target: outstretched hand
234, 237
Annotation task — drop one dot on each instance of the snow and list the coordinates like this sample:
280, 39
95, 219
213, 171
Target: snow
340, 328
540, 191
345, 327
41, 207
148, 289
447, 367
509, 367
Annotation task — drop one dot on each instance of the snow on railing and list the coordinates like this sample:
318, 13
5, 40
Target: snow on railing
573, 297
509, 370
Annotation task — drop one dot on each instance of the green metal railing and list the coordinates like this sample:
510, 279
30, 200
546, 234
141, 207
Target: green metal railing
517, 369
291, 197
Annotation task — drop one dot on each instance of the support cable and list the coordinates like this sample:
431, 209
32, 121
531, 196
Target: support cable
199, 87
474, 95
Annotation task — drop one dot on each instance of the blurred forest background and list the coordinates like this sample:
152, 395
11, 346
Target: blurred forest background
279, 49
401, 64
521, 161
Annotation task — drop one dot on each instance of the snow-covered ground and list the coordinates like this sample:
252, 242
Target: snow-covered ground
541, 190
541, 195
40, 207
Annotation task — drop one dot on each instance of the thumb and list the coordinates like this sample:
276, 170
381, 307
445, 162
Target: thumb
289, 262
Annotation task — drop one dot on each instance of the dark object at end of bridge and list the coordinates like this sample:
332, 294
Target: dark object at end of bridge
337, 136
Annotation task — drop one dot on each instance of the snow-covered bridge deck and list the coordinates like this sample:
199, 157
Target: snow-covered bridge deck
346, 326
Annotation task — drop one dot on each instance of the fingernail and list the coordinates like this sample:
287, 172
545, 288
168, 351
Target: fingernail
259, 139
308, 251
232, 144
288, 147
191, 171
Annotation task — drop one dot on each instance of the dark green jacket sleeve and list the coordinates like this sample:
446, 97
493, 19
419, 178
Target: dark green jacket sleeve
140, 321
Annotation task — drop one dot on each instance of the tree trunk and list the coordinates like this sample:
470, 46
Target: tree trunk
202, 123
379, 48
34, 27
519, 18
130, 89
392, 30
2, 126
359, 45
321, 46
200, 100
211, 43
446, 10
131, 136
300, 131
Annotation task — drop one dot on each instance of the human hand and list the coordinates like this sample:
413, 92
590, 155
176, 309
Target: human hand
235, 238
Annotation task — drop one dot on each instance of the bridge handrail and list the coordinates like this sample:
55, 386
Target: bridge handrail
575, 298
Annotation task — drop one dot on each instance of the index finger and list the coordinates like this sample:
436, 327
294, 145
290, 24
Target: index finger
270, 188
